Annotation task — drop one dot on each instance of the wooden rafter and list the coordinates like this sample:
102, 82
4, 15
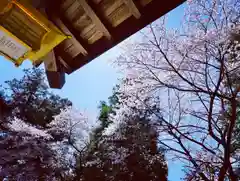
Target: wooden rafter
54, 9
50, 62
109, 18
55, 76
89, 11
133, 8
73, 40
64, 63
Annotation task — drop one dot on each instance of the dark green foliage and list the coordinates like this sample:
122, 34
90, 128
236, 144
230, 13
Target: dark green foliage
30, 99
106, 109
24, 156
135, 142
141, 158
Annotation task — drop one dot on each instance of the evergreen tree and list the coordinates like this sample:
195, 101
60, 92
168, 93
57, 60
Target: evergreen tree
129, 152
27, 106
30, 100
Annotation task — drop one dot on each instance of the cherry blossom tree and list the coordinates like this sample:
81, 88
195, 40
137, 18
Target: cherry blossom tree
25, 153
71, 130
32, 153
41, 138
30, 99
128, 153
122, 152
189, 80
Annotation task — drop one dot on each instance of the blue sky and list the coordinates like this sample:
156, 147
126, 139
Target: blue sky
94, 82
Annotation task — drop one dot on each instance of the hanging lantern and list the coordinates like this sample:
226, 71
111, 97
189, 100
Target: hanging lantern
25, 33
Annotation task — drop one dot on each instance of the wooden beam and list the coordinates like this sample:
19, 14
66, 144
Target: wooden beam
145, 2
54, 9
64, 63
133, 8
50, 62
73, 40
56, 78
63, 52
108, 7
89, 11
149, 13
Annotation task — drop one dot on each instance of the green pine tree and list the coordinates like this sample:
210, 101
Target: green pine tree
29, 98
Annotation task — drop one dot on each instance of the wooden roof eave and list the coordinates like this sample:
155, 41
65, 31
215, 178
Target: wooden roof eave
149, 13
142, 12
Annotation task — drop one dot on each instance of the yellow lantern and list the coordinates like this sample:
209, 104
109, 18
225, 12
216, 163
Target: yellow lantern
25, 33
